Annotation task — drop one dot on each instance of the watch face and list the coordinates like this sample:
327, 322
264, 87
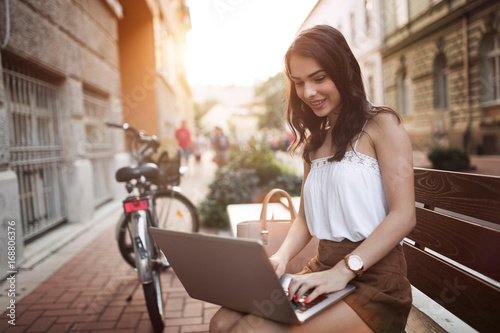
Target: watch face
355, 263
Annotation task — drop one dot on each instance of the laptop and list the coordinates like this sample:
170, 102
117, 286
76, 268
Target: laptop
236, 274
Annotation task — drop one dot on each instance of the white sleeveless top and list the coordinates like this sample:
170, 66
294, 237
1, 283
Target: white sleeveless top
344, 199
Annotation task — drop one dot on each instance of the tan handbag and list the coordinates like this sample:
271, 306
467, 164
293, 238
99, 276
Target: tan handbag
272, 233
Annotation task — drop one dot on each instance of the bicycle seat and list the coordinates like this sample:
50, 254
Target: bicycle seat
148, 170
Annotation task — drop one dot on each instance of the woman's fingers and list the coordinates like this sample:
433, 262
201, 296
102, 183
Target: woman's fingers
298, 287
313, 295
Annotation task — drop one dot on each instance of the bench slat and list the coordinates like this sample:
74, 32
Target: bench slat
469, 244
469, 298
469, 194
419, 322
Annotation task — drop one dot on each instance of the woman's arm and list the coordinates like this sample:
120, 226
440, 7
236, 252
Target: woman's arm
297, 238
394, 155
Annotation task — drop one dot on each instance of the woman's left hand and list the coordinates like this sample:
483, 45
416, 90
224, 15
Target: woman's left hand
323, 282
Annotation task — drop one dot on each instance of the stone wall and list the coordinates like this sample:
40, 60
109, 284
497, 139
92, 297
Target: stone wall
76, 42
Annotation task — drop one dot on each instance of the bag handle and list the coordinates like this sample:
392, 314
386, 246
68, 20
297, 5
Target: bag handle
264, 232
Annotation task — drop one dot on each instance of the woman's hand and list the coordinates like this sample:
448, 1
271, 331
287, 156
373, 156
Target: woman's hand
323, 282
279, 264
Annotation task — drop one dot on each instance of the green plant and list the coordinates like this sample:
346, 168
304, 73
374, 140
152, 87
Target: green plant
251, 172
229, 187
451, 158
256, 156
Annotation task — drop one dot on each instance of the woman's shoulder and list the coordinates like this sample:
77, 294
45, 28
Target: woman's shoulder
386, 129
384, 122
385, 117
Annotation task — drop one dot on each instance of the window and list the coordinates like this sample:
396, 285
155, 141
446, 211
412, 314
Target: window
490, 83
441, 92
36, 154
368, 14
371, 88
98, 144
353, 29
401, 12
403, 91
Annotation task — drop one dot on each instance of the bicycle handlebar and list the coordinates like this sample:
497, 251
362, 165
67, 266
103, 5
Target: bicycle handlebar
111, 124
149, 142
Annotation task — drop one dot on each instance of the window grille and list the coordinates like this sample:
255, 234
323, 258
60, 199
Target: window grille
403, 92
441, 91
98, 145
35, 147
493, 64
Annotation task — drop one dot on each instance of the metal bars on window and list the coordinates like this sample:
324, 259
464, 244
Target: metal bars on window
98, 145
35, 148
494, 67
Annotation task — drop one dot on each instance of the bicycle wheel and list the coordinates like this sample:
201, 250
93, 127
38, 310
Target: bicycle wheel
153, 295
124, 240
174, 212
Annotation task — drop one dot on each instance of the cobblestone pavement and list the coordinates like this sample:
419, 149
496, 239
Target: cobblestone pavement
88, 294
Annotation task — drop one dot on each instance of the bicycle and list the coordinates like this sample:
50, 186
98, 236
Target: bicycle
156, 202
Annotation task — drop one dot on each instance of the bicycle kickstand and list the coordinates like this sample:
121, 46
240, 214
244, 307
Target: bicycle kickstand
129, 298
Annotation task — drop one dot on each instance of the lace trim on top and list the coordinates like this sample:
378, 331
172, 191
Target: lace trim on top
351, 157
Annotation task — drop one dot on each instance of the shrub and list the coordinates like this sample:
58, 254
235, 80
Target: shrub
251, 172
228, 187
451, 159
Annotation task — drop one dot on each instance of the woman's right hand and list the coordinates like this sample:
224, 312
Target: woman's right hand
279, 264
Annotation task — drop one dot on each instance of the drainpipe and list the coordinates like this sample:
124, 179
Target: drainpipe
468, 130
7, 25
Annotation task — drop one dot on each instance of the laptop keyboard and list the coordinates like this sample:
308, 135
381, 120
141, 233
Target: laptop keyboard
301, 306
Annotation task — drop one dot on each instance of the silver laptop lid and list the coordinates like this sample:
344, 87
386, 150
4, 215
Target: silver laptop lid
231, 272
234, 273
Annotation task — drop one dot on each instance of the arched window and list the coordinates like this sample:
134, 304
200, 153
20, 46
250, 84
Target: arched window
490, 78
441, 91
403, 91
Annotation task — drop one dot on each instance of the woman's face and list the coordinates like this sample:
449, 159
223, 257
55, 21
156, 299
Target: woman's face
315, 87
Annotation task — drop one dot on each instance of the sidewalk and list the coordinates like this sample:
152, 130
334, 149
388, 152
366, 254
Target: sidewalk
74, 279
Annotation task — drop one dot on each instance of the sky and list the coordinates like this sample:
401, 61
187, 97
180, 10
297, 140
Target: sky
241, 42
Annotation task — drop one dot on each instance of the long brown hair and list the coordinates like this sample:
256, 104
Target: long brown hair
329, 47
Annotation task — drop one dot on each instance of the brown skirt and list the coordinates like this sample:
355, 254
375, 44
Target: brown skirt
382, 298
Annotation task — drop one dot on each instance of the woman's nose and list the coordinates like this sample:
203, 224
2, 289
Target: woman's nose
309, 91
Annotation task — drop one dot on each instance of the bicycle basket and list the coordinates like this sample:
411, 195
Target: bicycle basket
169, 169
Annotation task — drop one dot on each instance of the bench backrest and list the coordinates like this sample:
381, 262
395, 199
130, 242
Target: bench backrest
470, 242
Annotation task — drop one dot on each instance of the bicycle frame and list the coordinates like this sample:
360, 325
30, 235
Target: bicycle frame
153, 216
142, 215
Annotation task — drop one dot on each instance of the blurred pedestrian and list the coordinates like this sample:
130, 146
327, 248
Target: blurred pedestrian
183, 136
198, 145
220, 144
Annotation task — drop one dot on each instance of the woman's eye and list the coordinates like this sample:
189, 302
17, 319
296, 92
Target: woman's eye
298, 84
320, 79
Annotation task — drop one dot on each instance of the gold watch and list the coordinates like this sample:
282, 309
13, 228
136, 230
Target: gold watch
354, 263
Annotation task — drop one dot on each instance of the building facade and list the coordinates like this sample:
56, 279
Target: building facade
442, 71
64, 73
156, 94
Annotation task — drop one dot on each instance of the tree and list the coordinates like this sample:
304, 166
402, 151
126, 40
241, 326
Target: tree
201, 109
273, 94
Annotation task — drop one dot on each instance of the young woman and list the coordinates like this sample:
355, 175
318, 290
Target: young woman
357, 195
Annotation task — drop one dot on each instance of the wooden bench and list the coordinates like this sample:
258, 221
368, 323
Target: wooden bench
453, 254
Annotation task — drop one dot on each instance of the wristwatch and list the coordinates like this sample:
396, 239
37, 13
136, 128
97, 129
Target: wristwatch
354, 263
